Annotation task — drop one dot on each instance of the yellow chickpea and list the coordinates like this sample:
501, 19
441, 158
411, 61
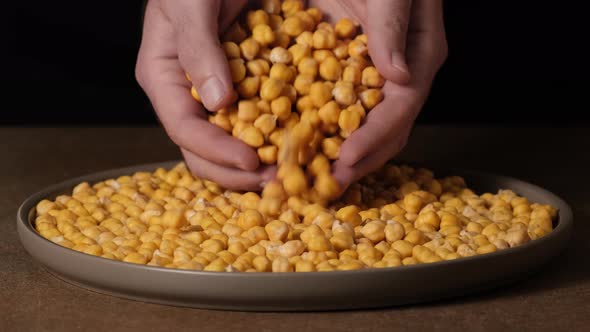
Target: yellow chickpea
315, 13
256, 17
280, 55
344, 93
266, 123
290, 7
275, 21
258, 67
324, 39
249, 87
293, 26
352, 74
345, 28
348, 121
195, 94
295, 182
371, 78
281, 71
330, 113
247, 111
263, 34
303, 83
320, 93
308, 66
331, 147
299, 52
330, 69
321, 55
249, 48
281, 108
252, 136
370, 98
357, 48
305, 38
271, 89
231, 50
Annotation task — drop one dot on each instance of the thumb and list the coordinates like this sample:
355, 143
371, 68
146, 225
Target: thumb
200, 53
387, 31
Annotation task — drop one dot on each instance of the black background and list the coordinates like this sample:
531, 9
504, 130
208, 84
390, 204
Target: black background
510, 62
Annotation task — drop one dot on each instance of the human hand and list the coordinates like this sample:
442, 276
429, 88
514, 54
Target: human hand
407, 43
183, 36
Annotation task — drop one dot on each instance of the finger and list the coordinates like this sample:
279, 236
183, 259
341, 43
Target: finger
199, 50
227, 177
187, 125
162, 78
395, 113
346, 174
387, 30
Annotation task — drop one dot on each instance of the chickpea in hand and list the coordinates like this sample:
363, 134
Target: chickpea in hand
183, 37
407, 43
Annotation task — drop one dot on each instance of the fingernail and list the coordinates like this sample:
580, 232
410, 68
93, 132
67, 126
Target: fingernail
399, 62
212, 92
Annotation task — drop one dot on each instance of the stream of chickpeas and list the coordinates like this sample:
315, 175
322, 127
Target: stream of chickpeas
304, 86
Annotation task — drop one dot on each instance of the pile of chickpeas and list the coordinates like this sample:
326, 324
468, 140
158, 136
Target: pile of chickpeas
304, 87
396, 216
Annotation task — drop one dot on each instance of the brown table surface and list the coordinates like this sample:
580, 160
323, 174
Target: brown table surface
556, 299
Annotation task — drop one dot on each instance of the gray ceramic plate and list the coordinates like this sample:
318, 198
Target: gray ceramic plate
299, 291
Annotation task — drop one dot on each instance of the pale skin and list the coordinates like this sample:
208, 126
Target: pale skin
406, 41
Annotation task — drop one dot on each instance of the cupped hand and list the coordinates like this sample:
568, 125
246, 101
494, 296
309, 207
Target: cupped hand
182, 36
407, 43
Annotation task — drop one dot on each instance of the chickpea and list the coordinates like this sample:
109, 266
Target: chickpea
258, 67
254, 18
275, 22
330, 69
315, 13
231, 50
293, 26
303, 83
330, 113
249, 48
321, 55
344, 94
281, 108
299, 52
305, 38
331, 147
252, 136
247, 111
349, 122
271, 89
320, 94
371, 78
370, 98
249, 87
266, 123
280, 55
341, 51
308, 66
290, 7
282, 72
357, 48
324, 39
327, 186
263, 34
